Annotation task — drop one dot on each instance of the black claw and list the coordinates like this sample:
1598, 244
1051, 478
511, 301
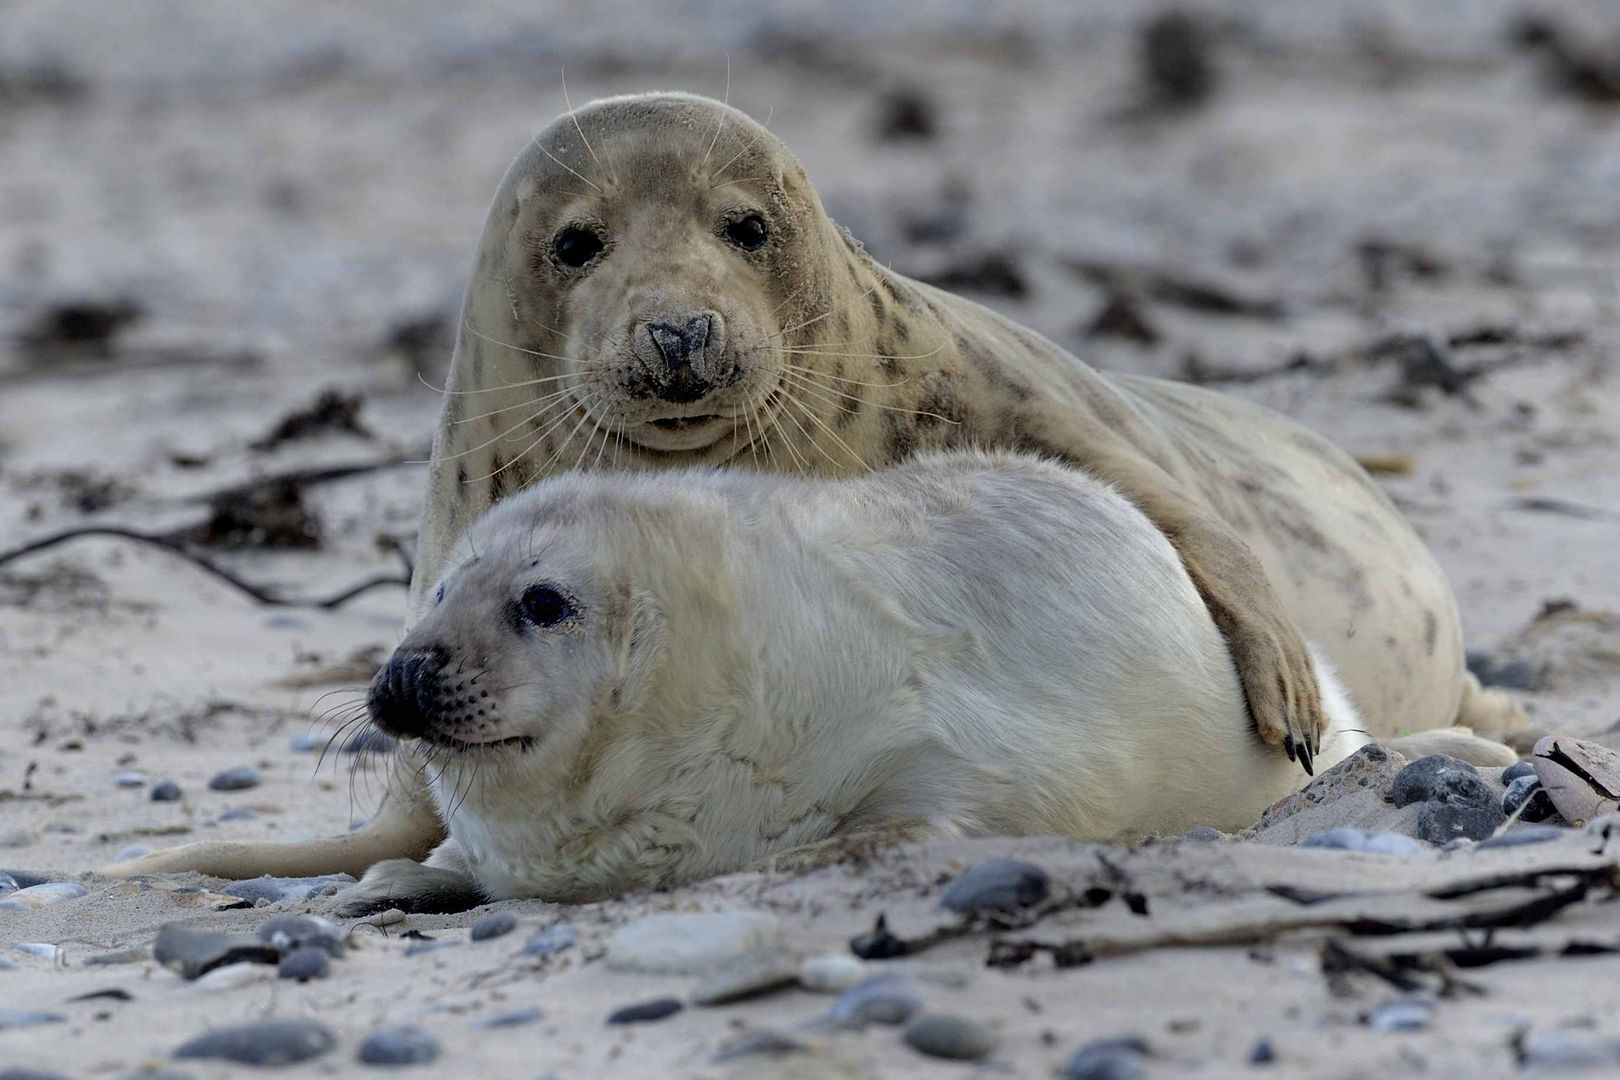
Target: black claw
1288, 746
1305, 761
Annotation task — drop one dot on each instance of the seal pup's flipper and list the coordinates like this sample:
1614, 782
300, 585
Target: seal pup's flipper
441, 884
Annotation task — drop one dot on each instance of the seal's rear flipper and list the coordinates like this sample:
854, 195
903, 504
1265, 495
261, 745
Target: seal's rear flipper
1457, 742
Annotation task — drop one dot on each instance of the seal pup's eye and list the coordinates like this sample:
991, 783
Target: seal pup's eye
544, 605
748, 233
574, 247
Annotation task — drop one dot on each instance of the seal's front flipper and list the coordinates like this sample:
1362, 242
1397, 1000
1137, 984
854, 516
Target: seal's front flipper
441, 885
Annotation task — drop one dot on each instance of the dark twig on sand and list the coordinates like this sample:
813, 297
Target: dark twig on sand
169, 543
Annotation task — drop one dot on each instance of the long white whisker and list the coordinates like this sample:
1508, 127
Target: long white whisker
542, 400
549, 428
491, 442
726, 100
573, 115
569, 167
812, 388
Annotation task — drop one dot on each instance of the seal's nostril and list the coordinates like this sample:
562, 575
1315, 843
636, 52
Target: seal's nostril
403, 697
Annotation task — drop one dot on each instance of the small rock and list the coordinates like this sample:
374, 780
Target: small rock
881, 999
1417, 782
1513, 772
37, 896
288, 932
401, 1045
997, 885
1527, 792
1603, 828
1506, 672
1176, 58
1202, 834
1528, 834
509, 1018
1401, 1016
238, 779
166, 791
1567, 1050
268, 1043
765, 1041
231, 977
8, 884
239, 813
132, 851
1440, 822
689, 944
495, 924
1581, 778
390, 917
1262, 1053
1349, 838
305, 963
368, 740
276, 889
306, 742
552, 940
831, 973
22, 1018
43, 950
1123, 1058
750, 975
194, 952
955, 1038
906, 114
130, 778
645, 1011
123, 956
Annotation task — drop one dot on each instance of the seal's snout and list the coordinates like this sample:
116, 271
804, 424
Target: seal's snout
408, 693
688, 354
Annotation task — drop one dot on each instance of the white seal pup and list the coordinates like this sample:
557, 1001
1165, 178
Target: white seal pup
636, 680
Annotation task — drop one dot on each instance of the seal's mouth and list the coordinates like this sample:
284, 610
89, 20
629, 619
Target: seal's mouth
685, 423
517, 743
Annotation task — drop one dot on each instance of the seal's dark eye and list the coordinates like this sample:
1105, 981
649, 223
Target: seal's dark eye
748, 233
574, 247
543, 605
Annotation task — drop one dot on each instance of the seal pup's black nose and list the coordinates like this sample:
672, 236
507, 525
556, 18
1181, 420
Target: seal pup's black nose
407, 693
679, 345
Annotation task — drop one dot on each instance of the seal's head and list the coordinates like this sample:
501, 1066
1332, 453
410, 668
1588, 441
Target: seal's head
651, 254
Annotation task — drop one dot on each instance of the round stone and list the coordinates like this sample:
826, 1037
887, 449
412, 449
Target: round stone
38, 896
296, 931
955, 1038
1401, 1016
997, 885
1527, 792
166, 791
881, 999
681, 943
1349, 838
305, 963
495, 924
1513, 772
306, 742
1525, 834
750, 975
553, 939
831, 973
402, 1045
1418, 781
645, 1011
1123, 1058
268, 1043
237, 779
130, 778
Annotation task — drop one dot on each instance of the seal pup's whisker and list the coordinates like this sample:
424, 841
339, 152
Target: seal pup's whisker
515, 348
788, 403
804, 350
813, 388
498, 438
570, 168
844, 379
752, 145
830, 311
573, 114
585, 416
724, 101
492, 389
538, 439
810, 415
543, 399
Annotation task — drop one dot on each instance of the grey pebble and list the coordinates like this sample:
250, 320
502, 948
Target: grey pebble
509, 1018
238, 779
402, 1045
764, 1041
196, 952
882, 999
130, 778
1513, 772
1528, 834
749, 975
645, 1011
18, 1073
25, 879
166, 791
1527, 792
997, 885
1567, 1050
275, 889
1122, 1058
552, 940
7, 883
1418, 782
296, 931
122, 956
270, 1042
30, 897
1401, 1016
43, 950
1261, 1053
1349, 838
22, 1018
1202, 834
305, 963
1441, 821
495, 924
955, 1038
306, 742
368, 740
240, 813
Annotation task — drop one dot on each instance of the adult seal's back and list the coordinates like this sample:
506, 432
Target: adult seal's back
658, 286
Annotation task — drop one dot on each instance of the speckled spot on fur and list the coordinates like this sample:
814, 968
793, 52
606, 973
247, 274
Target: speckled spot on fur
461, 476
902, 436
1431, 631
938, 402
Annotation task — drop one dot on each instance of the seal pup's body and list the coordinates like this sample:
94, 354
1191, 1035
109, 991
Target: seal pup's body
688, 672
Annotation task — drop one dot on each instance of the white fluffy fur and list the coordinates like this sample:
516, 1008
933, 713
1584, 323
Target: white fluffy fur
982, 643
